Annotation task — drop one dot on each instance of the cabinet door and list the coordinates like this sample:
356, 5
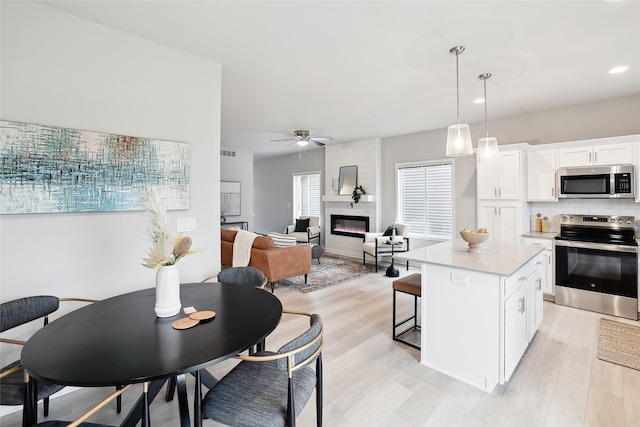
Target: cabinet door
515, 330
534, 302
614, 154
488, 218
509, 175
541, 176
548, 287
509, 218
487, 176
579, 156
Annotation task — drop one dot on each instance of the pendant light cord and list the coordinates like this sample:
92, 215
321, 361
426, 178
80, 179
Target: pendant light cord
457, 92
486, 124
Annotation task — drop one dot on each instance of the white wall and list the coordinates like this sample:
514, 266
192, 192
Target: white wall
273, 188
63, 71
240, 168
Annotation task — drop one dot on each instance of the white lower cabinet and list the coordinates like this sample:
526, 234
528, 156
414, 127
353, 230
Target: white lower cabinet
548, 285
477, 324
523, 312
515, 329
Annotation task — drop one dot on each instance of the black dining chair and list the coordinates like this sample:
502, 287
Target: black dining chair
271, 388
16, 313
242, 276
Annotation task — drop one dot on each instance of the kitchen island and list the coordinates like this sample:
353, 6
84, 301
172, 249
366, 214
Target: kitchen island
479, 310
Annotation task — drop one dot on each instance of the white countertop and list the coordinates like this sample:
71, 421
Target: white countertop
503, 259
539, 234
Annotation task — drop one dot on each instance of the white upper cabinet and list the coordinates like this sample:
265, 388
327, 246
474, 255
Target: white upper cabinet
613, 154
500, 178
541, 176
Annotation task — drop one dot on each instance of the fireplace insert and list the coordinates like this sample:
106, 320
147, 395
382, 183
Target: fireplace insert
349, 225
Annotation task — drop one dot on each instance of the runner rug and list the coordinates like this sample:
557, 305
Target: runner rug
619, 343
330, 271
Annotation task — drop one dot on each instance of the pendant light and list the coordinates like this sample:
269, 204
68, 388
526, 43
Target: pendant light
458, 135
487, 146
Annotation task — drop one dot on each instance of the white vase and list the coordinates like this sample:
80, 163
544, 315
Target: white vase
167, 291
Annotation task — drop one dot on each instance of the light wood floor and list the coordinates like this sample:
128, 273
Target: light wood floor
371, 380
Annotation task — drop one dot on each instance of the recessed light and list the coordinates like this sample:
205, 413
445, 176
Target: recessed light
619, 69
478, 101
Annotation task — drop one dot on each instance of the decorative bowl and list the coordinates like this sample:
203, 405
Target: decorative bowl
476, 241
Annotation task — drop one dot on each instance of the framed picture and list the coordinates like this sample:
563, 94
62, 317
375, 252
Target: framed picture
46, 169
230, 197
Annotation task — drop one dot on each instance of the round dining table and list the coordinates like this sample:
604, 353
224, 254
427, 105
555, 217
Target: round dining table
119, 341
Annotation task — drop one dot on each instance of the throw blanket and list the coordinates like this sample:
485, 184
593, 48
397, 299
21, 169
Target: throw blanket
242, 248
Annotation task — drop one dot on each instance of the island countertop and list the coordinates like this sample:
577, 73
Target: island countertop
503, 259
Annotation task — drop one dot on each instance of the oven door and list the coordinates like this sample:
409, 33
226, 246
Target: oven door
609, 269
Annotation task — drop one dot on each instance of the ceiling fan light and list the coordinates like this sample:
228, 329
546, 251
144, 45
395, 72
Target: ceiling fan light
302, 142
459, 141
488, 148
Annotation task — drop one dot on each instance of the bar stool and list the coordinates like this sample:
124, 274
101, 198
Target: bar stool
412, 285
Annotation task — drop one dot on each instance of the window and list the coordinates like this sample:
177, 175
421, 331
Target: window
425, 198
306, 194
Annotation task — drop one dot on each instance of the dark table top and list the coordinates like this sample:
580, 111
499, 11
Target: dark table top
120, 341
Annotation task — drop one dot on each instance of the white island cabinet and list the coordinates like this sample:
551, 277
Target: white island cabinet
479, 310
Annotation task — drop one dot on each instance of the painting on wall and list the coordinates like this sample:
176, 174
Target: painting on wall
229, 198
46, 169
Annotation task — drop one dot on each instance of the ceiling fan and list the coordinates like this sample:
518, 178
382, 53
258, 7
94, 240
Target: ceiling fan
302, 138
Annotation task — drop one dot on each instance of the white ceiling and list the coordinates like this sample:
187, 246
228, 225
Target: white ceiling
361, 69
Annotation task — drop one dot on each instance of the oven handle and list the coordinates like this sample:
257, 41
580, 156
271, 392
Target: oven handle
597, 246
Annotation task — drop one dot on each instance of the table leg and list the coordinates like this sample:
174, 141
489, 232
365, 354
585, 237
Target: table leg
183, 403
197, 401
135, 414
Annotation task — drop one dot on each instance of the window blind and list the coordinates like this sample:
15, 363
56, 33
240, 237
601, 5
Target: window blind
426, 199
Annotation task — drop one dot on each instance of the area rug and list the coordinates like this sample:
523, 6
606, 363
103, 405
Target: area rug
619, 343
330, 271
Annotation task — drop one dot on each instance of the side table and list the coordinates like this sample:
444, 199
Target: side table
316, 252
392, 271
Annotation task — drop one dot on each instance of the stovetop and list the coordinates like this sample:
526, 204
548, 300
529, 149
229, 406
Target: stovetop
606, 229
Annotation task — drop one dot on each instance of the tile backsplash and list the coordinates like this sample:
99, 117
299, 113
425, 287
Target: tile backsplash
584, 207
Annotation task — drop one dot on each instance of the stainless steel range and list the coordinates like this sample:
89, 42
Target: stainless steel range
597, 264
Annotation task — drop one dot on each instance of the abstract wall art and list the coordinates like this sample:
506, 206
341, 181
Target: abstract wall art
230, 197
46, 169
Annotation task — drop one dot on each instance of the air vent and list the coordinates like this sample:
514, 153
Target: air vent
227, 153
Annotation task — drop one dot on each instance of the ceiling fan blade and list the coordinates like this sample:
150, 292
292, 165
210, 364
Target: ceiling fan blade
318, 143
321, 138
284, 140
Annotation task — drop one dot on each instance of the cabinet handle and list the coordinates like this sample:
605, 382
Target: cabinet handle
553, 192
522, 278
589, 157
495, 192
539, 263
500, 192
595, 157
522, 305
539, 287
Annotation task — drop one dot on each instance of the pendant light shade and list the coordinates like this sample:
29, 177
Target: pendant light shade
487, 146
458, 135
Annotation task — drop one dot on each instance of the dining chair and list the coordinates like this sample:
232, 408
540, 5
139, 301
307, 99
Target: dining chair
81, 421
242, 276
271, 388
16, 313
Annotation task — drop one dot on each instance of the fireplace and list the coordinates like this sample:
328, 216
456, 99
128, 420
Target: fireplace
349, 225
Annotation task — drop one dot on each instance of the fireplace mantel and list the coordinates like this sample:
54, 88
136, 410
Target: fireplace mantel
336, 198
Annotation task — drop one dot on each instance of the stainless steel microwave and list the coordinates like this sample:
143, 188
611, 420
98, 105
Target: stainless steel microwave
596, 182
